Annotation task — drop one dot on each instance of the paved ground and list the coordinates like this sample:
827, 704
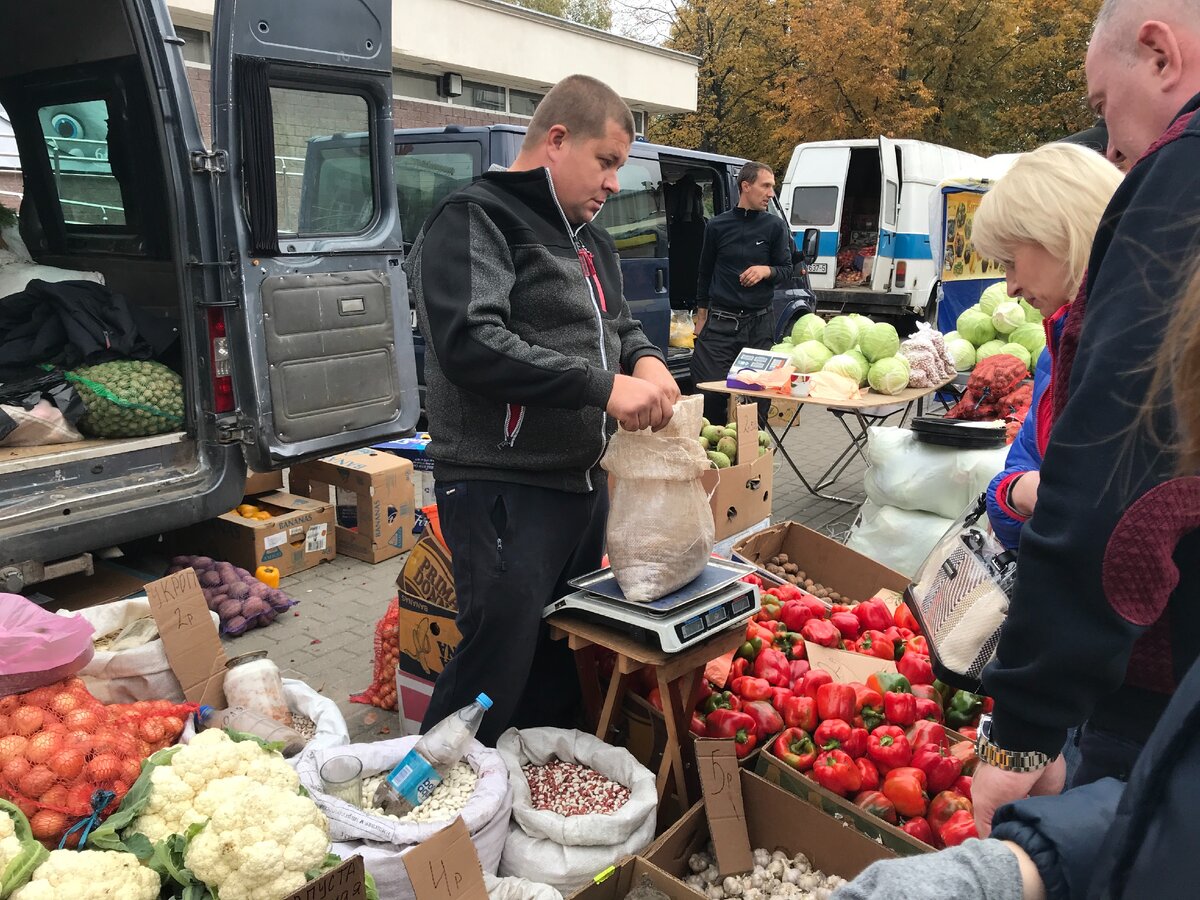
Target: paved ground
329, 641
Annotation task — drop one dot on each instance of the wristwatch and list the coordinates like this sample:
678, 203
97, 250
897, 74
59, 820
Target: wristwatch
1009, 760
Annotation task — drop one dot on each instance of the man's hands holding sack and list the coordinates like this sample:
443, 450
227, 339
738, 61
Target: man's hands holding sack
644, 399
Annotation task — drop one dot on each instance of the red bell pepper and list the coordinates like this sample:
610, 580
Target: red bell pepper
796, 748
889, 748
750, 688
835, 701
906, 788
699, 726
868, 707
822, 632
962, 785
800, 712
761, 631
928, 709
750, 649
941, 768
906, 635
850, 646
812, 681
916, 644
889, 681
971, 734
772, 666
943, 806
719, 700
988, 704
798, 667
925, 732
857, 745
780, 696
839, 608
900, 709
847, 624
725, 723
928, 692
874, 802
903, 618
918, 827
832, 734
869, 772
958, 828
769, 611
794, 614
767, 720
916, 668
790, 644
740, 666
964, 752
835, 771
875, 643
785, 592
754, 580
873, 615
654, 698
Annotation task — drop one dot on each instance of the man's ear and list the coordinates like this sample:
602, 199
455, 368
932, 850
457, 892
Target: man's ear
556, 139
1160, 46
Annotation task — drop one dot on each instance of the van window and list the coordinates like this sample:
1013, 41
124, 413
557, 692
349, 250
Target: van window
343, 201
427, 173
76, 136
814, 206
891, 192
636, 217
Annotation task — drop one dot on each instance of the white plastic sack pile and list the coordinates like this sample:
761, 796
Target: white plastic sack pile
909, 474
331, 724
566, 852
518, 889
897, 538
380, 841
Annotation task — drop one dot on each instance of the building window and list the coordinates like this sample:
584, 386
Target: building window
417, 85
639, 121
480, 96
198, 45
523, 103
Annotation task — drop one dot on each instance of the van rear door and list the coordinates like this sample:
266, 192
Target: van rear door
889, 215
317, 336
813, 199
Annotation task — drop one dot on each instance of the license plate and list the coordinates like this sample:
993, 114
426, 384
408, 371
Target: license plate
818, 269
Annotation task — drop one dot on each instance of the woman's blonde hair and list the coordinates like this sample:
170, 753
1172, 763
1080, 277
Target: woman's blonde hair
1054, 196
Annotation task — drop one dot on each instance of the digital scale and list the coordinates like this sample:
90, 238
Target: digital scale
756, 361
714, 601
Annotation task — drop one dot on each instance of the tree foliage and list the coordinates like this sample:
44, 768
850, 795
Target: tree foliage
596, 13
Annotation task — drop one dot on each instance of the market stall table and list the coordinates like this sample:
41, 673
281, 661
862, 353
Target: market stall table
869, 409
678, 675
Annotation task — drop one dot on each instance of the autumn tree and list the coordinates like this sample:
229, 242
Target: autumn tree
596, 13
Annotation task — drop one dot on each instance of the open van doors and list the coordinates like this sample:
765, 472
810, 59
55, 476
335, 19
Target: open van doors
815, 198
316, 336
889, 215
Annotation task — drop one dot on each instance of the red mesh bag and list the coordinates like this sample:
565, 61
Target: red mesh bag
991, 389
382, 692
67, 759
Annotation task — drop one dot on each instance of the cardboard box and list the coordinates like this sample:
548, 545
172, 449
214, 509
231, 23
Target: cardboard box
615, 882
774, 818
871, 828
740, 496
414, 450
262, 482
298, 536
825, 560
381, 483
428, 636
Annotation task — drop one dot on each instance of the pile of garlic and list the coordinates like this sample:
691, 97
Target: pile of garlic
775, 876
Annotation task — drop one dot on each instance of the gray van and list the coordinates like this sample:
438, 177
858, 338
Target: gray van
293, 339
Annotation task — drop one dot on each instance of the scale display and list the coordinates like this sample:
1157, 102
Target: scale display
758, 361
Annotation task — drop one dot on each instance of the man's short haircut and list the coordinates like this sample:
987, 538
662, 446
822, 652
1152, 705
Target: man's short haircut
584, 105
1129, 14
750, 171
1054, 197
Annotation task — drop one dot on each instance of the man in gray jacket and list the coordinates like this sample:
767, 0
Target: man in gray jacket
532, 361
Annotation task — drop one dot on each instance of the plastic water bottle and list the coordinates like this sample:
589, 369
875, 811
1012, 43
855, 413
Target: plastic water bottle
250, 721
425, 765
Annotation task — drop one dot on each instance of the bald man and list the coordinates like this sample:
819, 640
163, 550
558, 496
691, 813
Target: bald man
1105, 617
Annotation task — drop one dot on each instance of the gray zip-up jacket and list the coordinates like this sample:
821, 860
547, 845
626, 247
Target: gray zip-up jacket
526, 326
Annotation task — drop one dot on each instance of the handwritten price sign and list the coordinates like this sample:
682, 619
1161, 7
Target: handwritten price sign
721, 782
347, 882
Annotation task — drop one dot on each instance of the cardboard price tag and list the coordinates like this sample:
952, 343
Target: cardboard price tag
893, 599
446, 866
347, 882
189, 637
721, 783
845, 666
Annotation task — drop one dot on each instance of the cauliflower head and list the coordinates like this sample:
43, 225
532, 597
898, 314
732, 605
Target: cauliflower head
10, 844
259, 840
90, 875
177, 789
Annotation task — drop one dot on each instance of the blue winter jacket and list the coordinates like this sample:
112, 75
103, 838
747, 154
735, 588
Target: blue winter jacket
1025, 454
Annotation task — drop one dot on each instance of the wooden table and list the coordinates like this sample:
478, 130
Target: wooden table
865, 411
679, 676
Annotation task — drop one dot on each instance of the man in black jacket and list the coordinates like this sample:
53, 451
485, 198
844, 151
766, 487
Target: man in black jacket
747, 251
532, 361
1101, 628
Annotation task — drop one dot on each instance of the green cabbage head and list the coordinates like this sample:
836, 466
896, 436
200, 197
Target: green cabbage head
1019, 352
993, 296
879, 340
1008, 316
810, 356
841, 334
991, 348
963, 353
889, 375
847, 365
808, 327
976, 327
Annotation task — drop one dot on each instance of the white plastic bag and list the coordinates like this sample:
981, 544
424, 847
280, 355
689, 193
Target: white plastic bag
331, 724
660, 526
909, 474
518, 889
381, 841
127, 676
897, 538
565, 852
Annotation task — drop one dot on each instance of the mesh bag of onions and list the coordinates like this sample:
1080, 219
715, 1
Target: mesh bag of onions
382, 692
65, 757
240, 599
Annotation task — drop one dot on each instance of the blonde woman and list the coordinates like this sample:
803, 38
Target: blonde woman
1039, 221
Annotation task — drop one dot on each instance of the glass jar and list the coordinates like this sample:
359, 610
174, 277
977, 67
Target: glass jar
253, 681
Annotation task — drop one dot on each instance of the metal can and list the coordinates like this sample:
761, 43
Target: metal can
253, 681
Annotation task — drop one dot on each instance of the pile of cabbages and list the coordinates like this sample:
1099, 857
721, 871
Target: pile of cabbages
240, 599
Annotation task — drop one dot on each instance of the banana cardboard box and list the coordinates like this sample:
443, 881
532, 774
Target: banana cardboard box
428, 637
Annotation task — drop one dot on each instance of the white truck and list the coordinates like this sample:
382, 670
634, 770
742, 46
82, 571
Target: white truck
870, 201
